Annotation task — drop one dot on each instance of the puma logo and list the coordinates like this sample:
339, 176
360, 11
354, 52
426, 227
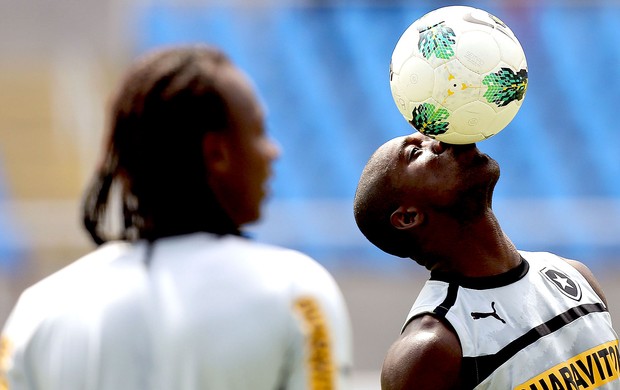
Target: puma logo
477, 316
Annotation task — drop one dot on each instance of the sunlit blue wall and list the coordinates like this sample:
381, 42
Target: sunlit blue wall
323, 74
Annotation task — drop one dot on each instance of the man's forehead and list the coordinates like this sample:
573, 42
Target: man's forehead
385, 157
390, 149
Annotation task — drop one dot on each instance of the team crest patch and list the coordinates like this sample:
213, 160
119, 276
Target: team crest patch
563, 283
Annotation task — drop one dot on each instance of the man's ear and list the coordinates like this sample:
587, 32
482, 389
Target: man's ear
406, 217
216, 152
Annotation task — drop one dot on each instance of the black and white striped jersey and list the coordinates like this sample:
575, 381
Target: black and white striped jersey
540, 326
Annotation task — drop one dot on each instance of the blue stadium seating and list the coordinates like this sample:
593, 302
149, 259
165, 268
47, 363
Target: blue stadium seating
323, 74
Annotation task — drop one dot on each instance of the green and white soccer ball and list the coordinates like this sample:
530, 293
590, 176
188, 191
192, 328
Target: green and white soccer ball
458, 74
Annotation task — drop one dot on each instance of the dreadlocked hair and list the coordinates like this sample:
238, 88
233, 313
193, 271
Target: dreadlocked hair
153, 172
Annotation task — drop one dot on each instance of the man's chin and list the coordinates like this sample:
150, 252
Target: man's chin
429, 264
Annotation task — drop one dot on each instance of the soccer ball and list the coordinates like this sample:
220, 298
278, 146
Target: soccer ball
458, 74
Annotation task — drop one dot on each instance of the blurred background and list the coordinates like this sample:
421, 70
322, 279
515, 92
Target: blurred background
322, 69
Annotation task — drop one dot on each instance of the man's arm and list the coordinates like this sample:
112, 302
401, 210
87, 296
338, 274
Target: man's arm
426, 356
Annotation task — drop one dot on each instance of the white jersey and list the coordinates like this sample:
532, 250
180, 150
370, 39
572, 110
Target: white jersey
186, 313
540, 326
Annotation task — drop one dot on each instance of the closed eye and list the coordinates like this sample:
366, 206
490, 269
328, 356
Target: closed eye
413, 153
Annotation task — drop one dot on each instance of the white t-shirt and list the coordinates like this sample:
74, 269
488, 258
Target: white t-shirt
190, 312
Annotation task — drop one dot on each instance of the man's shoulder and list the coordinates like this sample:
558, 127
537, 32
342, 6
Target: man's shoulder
54, 294
234, 246
427, 355
238, 257
267, 254
85, 267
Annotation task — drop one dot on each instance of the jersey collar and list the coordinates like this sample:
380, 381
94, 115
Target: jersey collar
484, 282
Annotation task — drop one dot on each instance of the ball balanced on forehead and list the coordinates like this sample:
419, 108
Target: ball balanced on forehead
458, 74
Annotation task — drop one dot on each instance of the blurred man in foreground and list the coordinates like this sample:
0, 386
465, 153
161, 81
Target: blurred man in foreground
177, 298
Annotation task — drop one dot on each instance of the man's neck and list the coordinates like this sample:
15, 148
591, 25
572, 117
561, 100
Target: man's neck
479, 249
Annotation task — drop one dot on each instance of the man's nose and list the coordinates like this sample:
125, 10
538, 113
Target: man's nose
437, 147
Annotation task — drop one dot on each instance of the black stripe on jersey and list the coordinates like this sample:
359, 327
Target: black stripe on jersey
478, 368
444, 306
449, 301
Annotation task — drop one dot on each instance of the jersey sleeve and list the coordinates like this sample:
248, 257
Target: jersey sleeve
320, 354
